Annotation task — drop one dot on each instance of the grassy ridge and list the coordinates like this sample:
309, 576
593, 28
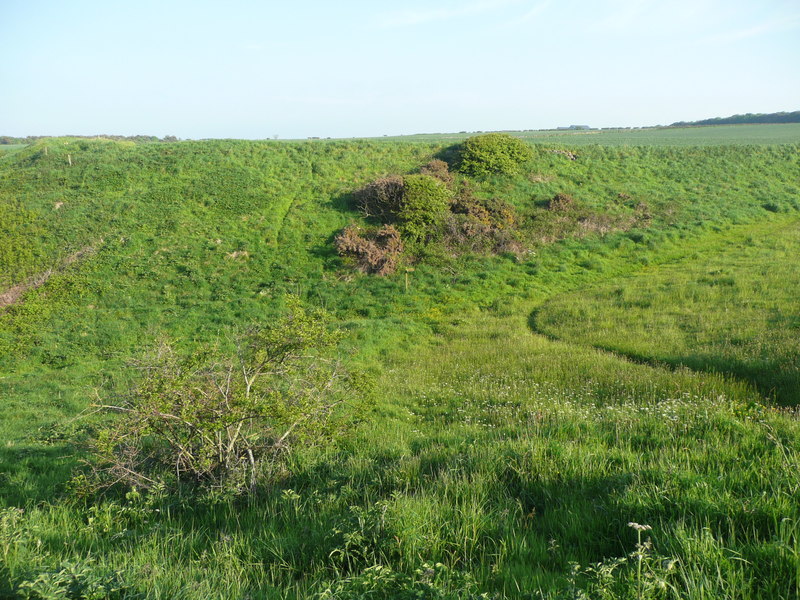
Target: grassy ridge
501, 454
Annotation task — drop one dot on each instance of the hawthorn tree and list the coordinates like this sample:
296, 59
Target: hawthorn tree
222, 420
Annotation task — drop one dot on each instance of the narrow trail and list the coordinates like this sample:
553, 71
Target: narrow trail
14, 294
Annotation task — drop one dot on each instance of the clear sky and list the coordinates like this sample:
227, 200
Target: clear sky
341, 68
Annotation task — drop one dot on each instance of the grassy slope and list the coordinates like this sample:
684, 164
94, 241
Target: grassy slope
487, 443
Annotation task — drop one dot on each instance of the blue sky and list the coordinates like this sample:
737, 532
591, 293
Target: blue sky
255, 69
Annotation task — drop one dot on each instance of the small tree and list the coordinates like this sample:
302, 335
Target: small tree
220, 421
493, 153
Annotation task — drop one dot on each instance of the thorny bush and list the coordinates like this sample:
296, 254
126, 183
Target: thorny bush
221, 421
374, 250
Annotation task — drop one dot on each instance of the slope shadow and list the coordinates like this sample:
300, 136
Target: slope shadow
766, 377
30, 474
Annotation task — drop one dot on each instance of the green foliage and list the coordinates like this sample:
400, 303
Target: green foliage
493, 153
82, 580
428, 582
218, 420
426, 201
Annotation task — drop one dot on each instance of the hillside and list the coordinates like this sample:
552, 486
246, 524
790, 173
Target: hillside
525, 411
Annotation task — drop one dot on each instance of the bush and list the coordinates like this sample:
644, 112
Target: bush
375, 250
481, 225
439, 169
493, 153
426, 201
75, 581
561, 203
220, 420
381, 199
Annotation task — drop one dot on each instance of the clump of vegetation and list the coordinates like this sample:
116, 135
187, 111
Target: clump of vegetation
482, 225
439, 169
75, 580
426, 201
220, 421
493, 153
417, 204
381, 199
428, 582
375, 250
561, 203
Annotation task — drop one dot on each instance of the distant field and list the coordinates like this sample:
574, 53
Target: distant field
9, 147
788, 133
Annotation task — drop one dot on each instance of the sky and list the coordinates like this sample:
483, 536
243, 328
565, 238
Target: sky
348, 68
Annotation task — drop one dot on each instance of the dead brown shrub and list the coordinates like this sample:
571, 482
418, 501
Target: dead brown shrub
381, 198
374, 250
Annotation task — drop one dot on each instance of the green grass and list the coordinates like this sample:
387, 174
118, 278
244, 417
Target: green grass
784, 133
734, 311
504, 454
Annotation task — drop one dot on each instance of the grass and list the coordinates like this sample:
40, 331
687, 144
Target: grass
714, 135
514, 459
733, 311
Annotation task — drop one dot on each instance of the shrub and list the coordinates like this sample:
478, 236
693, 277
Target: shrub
561, 203
493, 153
375, 250
219, 420
439, 169
381, 198
481, 225
426, 201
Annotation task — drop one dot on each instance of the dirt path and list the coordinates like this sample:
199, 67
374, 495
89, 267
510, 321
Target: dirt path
14, 294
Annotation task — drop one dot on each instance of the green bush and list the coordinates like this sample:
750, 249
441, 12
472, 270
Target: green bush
222, 419
426, 201
493, 153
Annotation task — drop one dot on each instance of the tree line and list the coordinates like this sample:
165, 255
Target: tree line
778, 117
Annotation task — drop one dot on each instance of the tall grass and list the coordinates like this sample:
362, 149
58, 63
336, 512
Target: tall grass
734, 311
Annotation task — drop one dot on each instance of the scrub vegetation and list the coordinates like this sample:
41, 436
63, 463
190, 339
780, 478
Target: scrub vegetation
348, 369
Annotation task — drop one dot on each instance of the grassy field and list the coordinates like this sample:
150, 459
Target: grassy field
716, 135
732, 312
496, 460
